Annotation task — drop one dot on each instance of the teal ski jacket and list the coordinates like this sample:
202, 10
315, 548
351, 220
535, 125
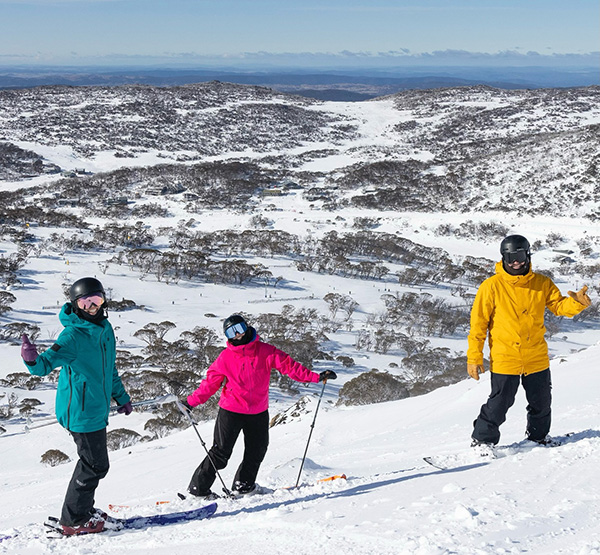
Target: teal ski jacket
88, 378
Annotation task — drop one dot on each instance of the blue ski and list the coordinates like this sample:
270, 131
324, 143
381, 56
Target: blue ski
169, 518
139, 522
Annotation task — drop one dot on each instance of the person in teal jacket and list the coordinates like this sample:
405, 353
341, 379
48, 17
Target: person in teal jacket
85, 351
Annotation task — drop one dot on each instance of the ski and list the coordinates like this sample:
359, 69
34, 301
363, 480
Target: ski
116, 508
54, 530
156, 401
260, 490
331, 478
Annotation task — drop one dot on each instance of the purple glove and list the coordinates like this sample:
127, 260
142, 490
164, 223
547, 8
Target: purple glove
126, 409
28, 350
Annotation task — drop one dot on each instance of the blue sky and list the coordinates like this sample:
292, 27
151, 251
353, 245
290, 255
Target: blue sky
297, 32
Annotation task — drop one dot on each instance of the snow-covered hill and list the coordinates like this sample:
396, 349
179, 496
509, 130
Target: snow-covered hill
477, 148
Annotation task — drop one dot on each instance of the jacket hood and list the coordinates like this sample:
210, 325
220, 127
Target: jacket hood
243, 349
68, 318
517, 281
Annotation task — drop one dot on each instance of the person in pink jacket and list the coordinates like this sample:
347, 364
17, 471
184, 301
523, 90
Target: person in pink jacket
244, 371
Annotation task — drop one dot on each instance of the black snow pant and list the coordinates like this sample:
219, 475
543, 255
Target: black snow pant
89, 470
227, 429
537, 388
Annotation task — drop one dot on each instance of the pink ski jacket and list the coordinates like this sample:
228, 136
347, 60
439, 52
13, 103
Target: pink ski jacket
245, 371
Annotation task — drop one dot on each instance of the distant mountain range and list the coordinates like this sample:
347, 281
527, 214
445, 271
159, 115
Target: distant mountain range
346, 85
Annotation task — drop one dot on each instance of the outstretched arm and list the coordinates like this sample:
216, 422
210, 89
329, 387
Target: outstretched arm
287, 365
568, 306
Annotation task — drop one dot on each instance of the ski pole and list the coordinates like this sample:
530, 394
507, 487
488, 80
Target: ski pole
186, 412
42, 422
311, 431
150, 402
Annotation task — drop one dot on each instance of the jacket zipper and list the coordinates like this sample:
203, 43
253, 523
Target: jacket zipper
70, 398
83, 397
104, 357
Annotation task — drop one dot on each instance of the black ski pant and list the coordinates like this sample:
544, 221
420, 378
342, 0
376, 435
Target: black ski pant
227, 429
537, 388
89, 470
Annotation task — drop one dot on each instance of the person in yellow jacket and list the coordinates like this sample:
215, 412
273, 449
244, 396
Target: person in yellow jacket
509, 311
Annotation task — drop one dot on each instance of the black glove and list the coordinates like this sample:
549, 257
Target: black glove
185, 404
327, 375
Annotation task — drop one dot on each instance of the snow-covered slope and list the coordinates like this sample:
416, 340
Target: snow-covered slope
539, 500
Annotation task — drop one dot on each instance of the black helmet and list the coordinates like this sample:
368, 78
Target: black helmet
85, 286
515, 248
231, 322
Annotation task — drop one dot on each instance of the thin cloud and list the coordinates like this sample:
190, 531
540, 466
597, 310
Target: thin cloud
346, 58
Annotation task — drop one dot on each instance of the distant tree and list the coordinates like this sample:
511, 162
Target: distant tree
54, 457
121, 438
152, 332
6, 299
14, 330
372, 387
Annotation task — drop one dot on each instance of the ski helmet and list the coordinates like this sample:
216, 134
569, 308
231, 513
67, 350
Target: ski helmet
515, 248
85, 286
233, 320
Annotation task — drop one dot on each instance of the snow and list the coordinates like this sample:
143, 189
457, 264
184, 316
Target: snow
540, 500
533, 500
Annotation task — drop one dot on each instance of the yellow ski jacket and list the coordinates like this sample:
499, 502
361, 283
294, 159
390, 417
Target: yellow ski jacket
511, 309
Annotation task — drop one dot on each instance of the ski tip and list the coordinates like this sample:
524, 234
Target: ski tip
210, 509
334, 477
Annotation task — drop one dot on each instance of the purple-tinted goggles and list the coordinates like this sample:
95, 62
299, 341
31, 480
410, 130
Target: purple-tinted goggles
95, 299
231, 331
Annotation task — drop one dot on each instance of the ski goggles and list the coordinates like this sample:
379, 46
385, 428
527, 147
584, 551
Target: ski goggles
232, 331
516, 256
95, 299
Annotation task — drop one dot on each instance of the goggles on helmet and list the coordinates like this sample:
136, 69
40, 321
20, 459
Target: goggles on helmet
232, 331
87, 301
516, 256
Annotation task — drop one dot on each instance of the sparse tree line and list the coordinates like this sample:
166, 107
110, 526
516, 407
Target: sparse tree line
177, 365
16, 163
212, 256
171, 267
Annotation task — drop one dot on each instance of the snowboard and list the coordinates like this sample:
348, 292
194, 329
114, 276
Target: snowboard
476, 456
